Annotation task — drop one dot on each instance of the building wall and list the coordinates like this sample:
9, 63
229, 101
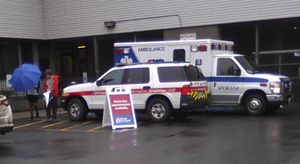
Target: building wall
56, 19
70, 18
21, 19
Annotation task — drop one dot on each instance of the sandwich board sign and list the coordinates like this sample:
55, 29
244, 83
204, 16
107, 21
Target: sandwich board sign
118, 110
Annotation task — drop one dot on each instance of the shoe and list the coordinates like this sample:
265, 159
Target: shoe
48, 119
31, 118
54, 117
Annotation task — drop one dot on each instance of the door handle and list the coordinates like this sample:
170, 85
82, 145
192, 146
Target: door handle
215, 84
146, 87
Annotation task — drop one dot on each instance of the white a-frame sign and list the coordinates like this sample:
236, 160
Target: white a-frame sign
118, 110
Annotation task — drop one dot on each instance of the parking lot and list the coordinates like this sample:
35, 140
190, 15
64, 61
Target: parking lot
205, 137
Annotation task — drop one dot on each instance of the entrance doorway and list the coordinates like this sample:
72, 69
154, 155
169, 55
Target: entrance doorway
67, 64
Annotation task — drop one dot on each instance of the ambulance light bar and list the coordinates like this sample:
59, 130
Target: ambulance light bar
221, 47
213, 46
122, 50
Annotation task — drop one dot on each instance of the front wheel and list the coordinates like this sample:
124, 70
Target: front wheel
255, 104
159, 110
77, 110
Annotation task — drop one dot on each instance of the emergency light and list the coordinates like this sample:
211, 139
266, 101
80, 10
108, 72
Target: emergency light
202, 48
122, 50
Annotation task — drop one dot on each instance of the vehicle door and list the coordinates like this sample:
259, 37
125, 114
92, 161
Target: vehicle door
227, 82
110, 80
137, 79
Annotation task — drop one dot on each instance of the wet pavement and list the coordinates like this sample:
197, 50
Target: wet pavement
205, 137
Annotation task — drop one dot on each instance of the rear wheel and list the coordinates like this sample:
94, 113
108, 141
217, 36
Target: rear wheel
77, 110
255, 104
158, 110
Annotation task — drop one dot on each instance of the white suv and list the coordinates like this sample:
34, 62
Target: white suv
162, 89
6, 118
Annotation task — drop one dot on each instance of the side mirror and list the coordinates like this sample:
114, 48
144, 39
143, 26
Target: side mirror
99, 83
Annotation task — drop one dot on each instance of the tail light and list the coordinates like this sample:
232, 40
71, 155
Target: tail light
186, 90
4, 102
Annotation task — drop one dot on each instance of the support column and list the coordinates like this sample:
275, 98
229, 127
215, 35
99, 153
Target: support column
35, 51
96, 55
19, 53
52, 57
256, 44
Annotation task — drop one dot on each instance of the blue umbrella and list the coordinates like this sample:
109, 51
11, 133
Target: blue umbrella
25, 77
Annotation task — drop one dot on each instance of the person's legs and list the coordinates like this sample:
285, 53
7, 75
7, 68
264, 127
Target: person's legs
48, 110
37, 111
31, 106
54, 107
35, 106
30, 100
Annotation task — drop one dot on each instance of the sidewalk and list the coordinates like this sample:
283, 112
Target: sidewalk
42, 113
20, 108
22, 104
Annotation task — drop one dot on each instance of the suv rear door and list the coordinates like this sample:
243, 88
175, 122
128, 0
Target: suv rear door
170, 81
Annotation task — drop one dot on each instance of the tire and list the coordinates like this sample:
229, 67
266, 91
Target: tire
158, 110
255, 104
272, 108
77, 110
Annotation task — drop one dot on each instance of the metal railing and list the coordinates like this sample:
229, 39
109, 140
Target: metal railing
11, 93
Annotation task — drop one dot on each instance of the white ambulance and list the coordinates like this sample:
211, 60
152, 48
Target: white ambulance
232, 81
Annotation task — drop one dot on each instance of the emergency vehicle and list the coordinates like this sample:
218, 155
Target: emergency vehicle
160, 89
232, 81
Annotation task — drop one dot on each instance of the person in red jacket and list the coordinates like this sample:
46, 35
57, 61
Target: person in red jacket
51, 84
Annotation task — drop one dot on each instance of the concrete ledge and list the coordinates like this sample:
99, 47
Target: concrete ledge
22, 104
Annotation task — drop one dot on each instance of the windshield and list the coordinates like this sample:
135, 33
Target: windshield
245, 64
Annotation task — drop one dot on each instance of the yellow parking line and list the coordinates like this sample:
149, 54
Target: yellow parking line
124, 130
58, 123
29, 124
91, 130
65, 129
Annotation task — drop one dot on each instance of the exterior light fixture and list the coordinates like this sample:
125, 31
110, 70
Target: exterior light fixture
81, 47
110, 24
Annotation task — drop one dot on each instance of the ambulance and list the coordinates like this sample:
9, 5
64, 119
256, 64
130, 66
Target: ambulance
232, 81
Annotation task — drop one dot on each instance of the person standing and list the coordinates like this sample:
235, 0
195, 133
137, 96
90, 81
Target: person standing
51, 84
32, 97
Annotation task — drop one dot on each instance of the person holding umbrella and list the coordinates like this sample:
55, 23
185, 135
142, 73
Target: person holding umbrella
51, 85
32, 97
25, 79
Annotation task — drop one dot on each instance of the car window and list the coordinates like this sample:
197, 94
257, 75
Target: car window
226, 67
171, 74
193, 73
113, 78
136, 76
179, 55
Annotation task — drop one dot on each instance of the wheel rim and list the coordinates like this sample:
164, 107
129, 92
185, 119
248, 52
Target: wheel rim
254, 105
75, 110
158, 111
